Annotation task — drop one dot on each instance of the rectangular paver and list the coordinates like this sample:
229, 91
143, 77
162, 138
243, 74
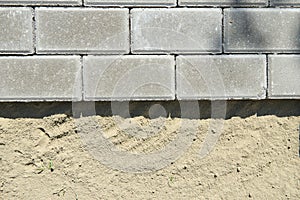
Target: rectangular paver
131, 3
42, 2
221, 77
223, 2
284, 76
285, 2
176, 30
82, 30
131, 77
262, 30
40, 78
16, 31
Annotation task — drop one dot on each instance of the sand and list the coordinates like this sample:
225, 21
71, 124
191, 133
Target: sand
254, 157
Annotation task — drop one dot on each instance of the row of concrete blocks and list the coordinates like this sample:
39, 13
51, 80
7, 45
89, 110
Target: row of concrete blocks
161, 3
149, 31
149, 77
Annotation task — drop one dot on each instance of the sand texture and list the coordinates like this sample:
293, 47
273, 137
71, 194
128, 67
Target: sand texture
254, 157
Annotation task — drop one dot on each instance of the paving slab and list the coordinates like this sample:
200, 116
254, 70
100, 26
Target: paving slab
236, 3
42, 2
16, 32
132, 77
284, 76
131, 3
40, 78
264, 30
82, 30
219, 77
177, 30
285, 3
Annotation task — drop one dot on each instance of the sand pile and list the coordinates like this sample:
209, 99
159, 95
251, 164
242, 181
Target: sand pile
255, 157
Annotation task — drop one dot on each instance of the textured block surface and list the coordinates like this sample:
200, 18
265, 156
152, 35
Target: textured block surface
221, 77
129, 77
79, 30
176, 30
16, 30
133, 3
40, 78
285, 2
262, 30
284, 76
40, 2
223, 2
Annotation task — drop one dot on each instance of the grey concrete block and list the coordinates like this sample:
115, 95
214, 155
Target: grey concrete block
284, 77
129, 77
177, 30
16, 32
131, 3
285, 2
40, 78
223, 3
42, 2
221, 77
262, 30
82, 30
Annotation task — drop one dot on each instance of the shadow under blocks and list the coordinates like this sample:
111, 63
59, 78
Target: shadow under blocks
240, 108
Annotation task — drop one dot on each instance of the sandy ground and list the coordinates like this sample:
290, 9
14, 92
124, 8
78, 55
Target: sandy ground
255, 157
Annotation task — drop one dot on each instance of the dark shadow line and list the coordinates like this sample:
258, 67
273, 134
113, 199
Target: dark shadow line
235, 108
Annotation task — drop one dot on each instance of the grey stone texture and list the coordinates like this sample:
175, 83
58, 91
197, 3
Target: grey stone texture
223, 3
40, 78
131, 3
262, 30
82, 30
16, 32
108, 37
131, 77
42, 2
284, 77
217, 77
285, 2
176, 30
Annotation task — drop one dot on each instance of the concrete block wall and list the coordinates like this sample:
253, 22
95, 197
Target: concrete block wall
120, 50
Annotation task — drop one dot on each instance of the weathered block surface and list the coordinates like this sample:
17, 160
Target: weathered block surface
41, 2
176, 30
129, 78
262, 30
40, 78
223, 2
16, 30
285, 2
284, 76
80, 30
131, 3
221, 77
